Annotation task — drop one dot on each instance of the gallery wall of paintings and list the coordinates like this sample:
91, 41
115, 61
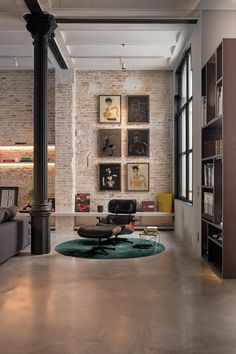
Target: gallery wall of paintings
109, 143
124, 137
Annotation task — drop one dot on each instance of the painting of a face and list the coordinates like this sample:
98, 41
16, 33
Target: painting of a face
138, 109
109, 109
138, 142
138, 176
109, 177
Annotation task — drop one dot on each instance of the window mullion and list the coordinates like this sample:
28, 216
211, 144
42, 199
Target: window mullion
187, 129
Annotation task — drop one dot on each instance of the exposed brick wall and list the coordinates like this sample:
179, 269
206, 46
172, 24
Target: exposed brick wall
157, 84
16, 122
16, 107
77, 128
65, 146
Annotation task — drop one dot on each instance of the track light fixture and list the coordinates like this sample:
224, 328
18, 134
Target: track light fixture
16, 61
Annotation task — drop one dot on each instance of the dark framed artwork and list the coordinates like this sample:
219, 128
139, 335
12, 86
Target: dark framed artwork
138, 142
109, 142
51, 203
138, 177
109, 109
110, 176
138, 109
8, 196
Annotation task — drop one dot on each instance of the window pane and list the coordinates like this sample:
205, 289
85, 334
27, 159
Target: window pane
190, 125
185, 129
183, 167
190, 176
190, 77
183, 84
182, 132
182, 176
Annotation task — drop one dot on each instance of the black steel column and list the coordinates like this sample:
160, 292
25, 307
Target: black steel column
41, 27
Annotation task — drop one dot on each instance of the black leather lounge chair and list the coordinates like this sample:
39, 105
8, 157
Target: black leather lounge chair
122, 214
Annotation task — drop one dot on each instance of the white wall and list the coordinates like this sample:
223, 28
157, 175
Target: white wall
187, 216
216, 25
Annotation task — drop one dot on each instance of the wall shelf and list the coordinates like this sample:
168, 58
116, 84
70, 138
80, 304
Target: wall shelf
21, 147
21, 164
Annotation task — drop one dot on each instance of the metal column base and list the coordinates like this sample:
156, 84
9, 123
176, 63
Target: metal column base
40, 234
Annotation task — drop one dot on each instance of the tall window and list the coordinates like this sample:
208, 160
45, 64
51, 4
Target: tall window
184, 132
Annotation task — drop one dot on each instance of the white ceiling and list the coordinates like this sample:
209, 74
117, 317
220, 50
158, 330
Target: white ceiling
102, 46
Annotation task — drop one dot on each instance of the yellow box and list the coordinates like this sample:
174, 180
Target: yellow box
165, 202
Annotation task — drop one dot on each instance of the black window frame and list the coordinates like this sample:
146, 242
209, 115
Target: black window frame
179, 109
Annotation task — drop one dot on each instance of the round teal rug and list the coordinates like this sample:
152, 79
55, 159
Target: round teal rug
81, 248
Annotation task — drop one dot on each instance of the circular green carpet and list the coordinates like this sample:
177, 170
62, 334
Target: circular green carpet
81, 248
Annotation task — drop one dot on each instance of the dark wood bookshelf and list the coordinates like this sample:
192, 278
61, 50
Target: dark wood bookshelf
207, 217
217, 226
219, 243
218, 88
215, 123
212, 157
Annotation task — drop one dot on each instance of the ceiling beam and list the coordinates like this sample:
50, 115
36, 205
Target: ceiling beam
33, 6
187, 21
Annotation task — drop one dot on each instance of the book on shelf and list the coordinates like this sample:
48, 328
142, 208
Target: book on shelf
219, 100
208, 203
212, 148
26, 159
208, 175
219, 146
82, 202
204, 111
8, 159
148, 206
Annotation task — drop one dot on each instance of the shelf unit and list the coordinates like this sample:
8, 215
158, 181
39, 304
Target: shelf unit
17, 151
19, 173
218, 192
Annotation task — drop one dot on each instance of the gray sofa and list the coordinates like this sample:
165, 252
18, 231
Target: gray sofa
14, 236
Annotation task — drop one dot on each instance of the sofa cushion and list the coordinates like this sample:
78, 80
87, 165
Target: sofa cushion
2, 214
10, 213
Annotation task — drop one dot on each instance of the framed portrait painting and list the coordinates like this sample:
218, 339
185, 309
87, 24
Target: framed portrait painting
109, 142
138, 109
110, 176
8, 196
138, 177
109, 109
138, 142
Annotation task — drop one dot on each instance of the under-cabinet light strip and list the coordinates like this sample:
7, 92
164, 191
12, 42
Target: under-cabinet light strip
21, 164
23, 147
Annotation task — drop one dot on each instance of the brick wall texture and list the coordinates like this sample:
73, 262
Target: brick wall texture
73, 124
16, 125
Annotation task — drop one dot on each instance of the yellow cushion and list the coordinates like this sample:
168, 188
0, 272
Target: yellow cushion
165, 202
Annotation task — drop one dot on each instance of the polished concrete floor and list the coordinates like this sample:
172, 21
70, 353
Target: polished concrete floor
168, 303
